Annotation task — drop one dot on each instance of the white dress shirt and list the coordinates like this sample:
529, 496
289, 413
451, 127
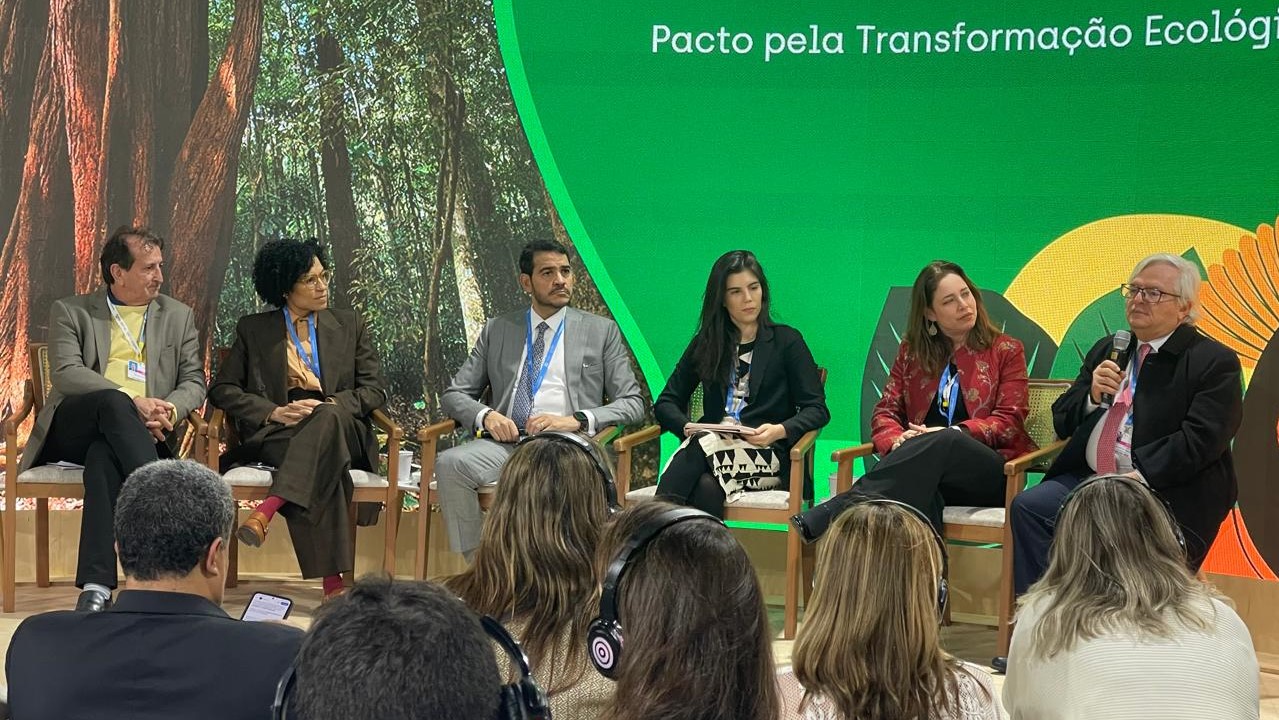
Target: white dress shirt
1123, 462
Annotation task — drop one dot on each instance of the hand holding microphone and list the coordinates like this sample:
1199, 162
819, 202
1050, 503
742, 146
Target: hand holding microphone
1108, 377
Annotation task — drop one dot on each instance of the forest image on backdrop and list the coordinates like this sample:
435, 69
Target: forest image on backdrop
385, 128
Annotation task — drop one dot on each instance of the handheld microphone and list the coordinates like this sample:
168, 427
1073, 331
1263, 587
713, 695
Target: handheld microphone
1119, 351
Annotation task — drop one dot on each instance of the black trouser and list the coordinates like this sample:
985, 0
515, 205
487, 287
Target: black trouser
312, 459
688, 481
103, 432
928, 472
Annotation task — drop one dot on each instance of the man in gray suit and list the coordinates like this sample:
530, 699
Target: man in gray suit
550, 367
125, 369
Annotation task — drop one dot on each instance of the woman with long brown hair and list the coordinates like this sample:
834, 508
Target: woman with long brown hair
534, 569
870, 646
685, 597
953, 410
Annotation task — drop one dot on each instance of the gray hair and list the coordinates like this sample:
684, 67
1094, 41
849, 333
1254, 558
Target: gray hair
168, 513
1187, 281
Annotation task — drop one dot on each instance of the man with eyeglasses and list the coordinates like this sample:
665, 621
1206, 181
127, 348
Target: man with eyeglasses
1177, 403
126, 369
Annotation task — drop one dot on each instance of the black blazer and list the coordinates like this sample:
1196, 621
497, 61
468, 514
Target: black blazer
253, 382
153, 655
1187, 407
785, 388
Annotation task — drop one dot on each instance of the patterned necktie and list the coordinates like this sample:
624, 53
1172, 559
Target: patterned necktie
524, 394
1115, 417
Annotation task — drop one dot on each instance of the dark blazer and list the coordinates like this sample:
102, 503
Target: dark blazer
1187, 407
785, 388
160, 655
252, 381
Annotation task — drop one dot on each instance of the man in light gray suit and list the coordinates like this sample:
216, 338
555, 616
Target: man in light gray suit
550, 367
125, 369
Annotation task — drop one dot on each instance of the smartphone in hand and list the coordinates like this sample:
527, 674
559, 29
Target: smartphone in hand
265, 606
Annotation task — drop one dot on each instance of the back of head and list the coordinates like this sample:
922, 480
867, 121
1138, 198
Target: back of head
870, 642
536, 559
168, 513
394, 649
1116, 564
696, 635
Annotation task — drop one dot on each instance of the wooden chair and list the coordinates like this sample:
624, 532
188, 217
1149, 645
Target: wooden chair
767, 506
428, 440
41, 482
254, 484
989, 525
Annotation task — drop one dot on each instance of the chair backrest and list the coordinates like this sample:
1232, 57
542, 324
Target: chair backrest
41, 374
1042, 393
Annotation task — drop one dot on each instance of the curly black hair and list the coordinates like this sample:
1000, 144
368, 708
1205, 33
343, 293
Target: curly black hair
281, 263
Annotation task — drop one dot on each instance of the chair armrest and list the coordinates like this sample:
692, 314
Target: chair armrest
1025, 462
607, 434
639, 437
198, 423
434, 431
14, 419
385, 422
843, 459
800, 455
803, 446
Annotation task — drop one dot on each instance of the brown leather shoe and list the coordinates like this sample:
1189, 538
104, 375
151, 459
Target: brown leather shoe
253, 531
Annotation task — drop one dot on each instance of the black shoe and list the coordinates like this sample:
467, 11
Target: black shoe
1000, 664
92, 601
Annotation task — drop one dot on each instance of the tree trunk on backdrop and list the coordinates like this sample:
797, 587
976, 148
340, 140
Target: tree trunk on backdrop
335, 165
40, 221
202, 194
24, 24
494, 251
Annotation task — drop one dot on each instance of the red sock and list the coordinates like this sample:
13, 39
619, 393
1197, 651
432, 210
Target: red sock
332, 583
271, 506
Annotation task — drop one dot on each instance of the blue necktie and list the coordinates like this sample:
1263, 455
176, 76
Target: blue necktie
524, 395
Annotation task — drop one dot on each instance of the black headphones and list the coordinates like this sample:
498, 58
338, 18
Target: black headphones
1172, 519
521, 700
604, 637
943, 584
592, 451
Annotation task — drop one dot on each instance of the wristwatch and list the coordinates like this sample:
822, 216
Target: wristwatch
583, 422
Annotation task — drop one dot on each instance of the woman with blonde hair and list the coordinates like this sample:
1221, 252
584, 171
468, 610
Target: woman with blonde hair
682, 626
870, 646
534, 569
1119, 628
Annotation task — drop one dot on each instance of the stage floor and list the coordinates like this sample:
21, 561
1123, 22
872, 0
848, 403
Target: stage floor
974, 643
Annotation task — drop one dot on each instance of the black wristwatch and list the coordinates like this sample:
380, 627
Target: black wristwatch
583, 422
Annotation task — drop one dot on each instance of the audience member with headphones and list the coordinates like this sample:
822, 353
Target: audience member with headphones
681, 626
870, 646
1119, 628
535, 566
411, 650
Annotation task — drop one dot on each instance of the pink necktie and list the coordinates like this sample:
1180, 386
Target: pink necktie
1115, 417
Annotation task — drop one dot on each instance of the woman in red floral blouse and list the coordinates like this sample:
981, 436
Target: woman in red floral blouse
953, 409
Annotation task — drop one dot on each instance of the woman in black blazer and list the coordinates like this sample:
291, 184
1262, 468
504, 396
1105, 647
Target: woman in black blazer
301, 383
753, 373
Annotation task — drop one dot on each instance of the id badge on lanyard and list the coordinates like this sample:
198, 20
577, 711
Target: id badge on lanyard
948, 394
135, 369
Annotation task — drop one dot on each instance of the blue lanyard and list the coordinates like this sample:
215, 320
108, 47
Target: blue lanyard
546, 360
732, 403
948, 394
1132, 382
312, 359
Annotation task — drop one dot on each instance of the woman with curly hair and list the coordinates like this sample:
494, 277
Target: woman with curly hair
300, 384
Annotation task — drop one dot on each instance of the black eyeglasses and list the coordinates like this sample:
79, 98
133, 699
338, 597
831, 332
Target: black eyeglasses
1150, 295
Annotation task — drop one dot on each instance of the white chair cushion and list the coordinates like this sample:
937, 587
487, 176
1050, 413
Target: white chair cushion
968, 515
260, 477
52, 474
762, 500
483, 489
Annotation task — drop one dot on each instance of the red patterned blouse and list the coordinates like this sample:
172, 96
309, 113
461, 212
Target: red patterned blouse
993, 382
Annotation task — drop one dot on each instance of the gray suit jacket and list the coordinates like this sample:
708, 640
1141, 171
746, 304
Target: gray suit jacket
596, 363
80, 343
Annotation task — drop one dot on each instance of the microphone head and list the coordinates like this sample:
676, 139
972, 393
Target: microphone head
1123, 339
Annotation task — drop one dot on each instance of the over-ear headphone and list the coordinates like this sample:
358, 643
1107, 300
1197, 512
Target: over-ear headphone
1172, 519
592, 451
943, 583
604, 637
523, 699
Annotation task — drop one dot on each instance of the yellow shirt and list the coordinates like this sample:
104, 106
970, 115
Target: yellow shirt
121, 352
298, 375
